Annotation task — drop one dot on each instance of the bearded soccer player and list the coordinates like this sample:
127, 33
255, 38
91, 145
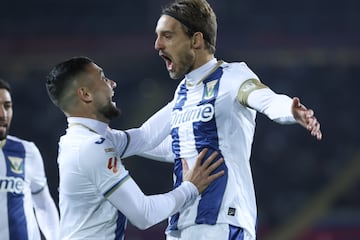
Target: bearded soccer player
23, 186
215, 107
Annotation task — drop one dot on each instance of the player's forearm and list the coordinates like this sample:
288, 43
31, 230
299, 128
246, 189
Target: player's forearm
46, 214
276, 106
146, 211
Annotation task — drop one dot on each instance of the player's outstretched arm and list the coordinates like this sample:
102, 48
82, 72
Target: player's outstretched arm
200, 175
306, 118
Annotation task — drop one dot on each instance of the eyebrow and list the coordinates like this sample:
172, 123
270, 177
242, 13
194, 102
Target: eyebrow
163, 31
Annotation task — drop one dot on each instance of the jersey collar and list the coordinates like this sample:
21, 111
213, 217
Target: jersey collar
91, 124
195, 76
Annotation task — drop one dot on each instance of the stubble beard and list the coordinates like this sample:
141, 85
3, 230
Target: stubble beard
110, 111
3, 134
186, 65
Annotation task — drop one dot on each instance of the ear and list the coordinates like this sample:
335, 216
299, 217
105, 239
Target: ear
198, 40
84, 94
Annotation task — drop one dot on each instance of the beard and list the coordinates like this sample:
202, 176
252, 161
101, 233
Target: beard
185, 65
3, 134
110, 111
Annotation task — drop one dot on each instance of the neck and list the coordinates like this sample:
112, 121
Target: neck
90, 116
202, 58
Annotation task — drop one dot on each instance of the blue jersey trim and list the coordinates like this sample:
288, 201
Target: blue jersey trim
116, 186
14, 153
121, 223
236, 233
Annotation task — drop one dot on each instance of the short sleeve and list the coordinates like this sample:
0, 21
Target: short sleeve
102, 164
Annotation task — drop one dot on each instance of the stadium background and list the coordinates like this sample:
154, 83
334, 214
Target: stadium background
311, 49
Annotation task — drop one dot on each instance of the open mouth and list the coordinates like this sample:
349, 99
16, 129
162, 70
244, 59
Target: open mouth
168, 62
112, 100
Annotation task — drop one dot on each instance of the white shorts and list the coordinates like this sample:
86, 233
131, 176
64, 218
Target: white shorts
211, 232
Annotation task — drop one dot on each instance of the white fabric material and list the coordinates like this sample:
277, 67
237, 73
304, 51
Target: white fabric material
145, 211
162, 152
94, 184
276, 106
46, 214
150, 134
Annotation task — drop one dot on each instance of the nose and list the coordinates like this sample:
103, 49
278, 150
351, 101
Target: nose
112, 84
158, 44
3, 112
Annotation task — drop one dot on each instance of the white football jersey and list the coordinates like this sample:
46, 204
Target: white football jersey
207, 114
90, 168
21, 174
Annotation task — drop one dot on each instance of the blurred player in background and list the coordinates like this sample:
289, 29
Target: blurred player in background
23, 186
215, 107
97, 194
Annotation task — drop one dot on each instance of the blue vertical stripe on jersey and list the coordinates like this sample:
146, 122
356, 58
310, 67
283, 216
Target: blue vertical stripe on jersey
178, 172
210, 202
16, 213
206, 136
236, 233
181, 98
120, 226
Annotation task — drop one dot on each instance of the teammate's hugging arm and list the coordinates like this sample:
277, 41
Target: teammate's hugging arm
103, 167
145, 211
162, 152
150, 134
254, 94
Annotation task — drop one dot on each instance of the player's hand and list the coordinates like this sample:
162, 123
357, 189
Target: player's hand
305, 117
200, 175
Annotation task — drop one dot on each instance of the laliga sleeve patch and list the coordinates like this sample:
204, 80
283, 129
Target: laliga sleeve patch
246, 88
231, 211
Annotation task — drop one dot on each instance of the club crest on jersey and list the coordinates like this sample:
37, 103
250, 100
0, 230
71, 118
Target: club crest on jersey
16, 164
210, 89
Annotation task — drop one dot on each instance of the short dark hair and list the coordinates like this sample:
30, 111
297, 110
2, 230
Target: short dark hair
5, 85
62, 75
195, 16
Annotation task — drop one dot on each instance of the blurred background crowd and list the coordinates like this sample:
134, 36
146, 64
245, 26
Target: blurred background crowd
311, 49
